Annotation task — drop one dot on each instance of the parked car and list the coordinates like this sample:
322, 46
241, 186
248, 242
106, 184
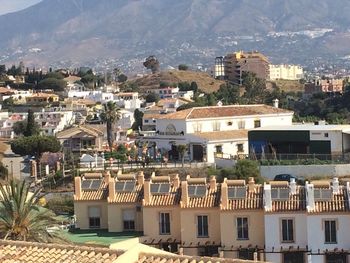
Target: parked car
288, 177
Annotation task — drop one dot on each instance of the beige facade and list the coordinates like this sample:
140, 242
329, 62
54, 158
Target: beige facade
286, 72
81, 210
116, 219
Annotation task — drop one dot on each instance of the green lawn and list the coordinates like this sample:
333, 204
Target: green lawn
98, 237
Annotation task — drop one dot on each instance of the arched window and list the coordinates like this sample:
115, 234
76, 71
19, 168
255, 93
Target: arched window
170, 128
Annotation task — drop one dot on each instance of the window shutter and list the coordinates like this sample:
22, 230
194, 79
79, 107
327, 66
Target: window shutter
128, 215
94, 211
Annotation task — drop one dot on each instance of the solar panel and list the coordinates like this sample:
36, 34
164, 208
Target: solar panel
197, 190
322, 194
279, 193
160, 188
237, 192
119, 186
164, 188
95, 184
127, 186
85, 184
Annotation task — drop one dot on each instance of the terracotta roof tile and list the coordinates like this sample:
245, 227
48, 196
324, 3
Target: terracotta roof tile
225, 111
129, 197
223, 135
169, 199
211, 199
154, 258
94, 195
296, 202
253, 201
338, 203
28, 252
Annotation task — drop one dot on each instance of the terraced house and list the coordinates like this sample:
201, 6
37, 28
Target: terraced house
277, 222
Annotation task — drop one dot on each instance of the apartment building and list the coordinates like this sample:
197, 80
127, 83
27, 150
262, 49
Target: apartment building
285, 72
325, 85
237, 63
278, 222
210, 130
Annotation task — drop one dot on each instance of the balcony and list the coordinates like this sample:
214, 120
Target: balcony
159, 133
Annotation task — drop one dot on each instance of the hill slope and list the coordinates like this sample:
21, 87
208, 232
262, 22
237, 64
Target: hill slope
205, 82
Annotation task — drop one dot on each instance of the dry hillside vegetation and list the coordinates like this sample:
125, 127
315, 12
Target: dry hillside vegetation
287, 85
204, 81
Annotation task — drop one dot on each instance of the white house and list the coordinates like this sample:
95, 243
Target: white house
210, 130
285, 222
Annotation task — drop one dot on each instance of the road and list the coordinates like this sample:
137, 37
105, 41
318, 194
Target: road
16, 166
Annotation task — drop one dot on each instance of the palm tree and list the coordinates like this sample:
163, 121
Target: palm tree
182, 149
21, 217
110, 114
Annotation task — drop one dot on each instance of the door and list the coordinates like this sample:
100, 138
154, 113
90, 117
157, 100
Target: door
293, 257
336, 258
197, 152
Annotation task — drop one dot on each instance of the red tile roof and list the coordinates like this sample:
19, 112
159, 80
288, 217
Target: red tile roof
338, 203
253, 201
30, 252
296, 202
225, 111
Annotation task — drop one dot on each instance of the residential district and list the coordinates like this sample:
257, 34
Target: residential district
250, 164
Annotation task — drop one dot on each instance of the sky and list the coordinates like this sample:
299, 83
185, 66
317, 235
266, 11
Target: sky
8, 6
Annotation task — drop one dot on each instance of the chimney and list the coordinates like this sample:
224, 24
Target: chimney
293, 186
335, 185
267, 197
111, 190
275, 103
251, 185
184, 193
310, 201
224, 195
176, 181
107, 177
147, 192
213, 183
140, 178
77, 186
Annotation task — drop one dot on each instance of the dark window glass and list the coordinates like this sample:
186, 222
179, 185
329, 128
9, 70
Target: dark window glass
242, 228
330, 231
287, 230
164, 222
94, 222
202, 226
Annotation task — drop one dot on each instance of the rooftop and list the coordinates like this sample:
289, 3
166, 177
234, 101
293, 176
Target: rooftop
28, 252
225, 111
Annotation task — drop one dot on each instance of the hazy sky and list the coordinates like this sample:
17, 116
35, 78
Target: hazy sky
7, 6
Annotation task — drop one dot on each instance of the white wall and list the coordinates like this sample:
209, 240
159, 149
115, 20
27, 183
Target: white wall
315, 233
273, 233
333, 170
336, 138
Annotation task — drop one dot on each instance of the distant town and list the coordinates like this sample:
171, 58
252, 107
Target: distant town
241, 161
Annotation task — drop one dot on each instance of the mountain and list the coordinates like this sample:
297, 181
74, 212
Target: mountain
124, 32
7, 6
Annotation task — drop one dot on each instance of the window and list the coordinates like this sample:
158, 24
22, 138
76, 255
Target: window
164, 224
208, 251
241, 125
336, 258
330, 231
202, 226
242, 227
326, 135
287, 230
146, 121
293, 257
94, 217
240, 147
218, 148
230, 123
129, 220
216, 126
197, 127
257, 123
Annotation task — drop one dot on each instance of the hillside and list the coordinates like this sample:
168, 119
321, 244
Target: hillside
204, 81
123, 32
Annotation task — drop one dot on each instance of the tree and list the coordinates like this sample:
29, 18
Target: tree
8, 103
152, 63
194, 86
110, 115
2, 69
122, 78
53, 84
32, 127
22, 218
35, 145
152, 97
255, 88
228, 94
54, 75
182, 149
138, 115
183, 67
245, 169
